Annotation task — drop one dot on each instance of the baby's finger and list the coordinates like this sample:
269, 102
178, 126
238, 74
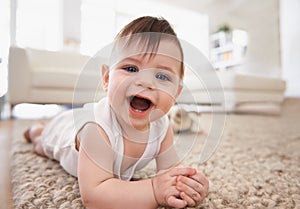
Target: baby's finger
182, 171
189, 191
199, 177
188, 199
176, 202
194, 184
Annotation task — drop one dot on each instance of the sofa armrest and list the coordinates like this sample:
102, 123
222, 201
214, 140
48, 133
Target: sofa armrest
18, 75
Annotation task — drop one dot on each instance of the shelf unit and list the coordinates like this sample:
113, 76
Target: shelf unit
227, 49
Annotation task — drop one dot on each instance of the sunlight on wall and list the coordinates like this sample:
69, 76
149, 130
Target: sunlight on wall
97, 25
40, 27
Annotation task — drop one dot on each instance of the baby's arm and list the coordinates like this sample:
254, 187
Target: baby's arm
193, 187
99, 188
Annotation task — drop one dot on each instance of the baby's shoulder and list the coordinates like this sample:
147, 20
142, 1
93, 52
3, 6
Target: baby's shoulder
92, 130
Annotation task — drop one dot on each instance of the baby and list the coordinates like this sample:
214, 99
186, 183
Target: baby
104, 143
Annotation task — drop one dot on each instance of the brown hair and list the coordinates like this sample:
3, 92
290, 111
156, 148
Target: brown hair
151, 30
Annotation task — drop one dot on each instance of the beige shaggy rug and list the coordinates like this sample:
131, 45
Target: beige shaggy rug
256, 165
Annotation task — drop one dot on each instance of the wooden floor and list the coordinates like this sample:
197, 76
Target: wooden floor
6, 132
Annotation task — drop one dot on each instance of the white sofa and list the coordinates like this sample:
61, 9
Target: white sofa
234, 92
38, 76
46, 77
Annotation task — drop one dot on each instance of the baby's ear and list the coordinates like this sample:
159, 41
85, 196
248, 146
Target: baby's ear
105, 76
179, 90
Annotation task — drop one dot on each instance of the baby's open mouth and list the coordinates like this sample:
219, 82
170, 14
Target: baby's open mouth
139, 104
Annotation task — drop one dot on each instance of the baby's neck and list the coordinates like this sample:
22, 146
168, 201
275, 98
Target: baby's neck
136, 135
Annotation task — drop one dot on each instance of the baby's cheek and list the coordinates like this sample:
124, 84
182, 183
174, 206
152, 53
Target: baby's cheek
156, 114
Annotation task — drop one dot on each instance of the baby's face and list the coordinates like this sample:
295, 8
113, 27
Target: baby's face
143, 87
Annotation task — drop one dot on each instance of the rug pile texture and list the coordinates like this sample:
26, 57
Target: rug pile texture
256, 165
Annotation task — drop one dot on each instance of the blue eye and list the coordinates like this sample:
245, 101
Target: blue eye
162, 77
131, 69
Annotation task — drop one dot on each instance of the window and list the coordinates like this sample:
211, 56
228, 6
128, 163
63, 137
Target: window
4, 44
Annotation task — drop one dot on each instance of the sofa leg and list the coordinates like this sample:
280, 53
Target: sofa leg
2, 103
5, 109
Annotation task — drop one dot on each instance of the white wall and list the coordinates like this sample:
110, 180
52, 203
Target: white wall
71, 20
263, 54
290, 45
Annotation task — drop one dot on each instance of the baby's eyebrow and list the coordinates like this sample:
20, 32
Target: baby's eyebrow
126, 60
130, 59
166, 68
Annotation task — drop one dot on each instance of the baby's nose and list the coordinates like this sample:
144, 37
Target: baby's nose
145, 80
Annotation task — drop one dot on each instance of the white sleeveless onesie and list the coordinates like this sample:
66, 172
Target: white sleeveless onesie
58, 137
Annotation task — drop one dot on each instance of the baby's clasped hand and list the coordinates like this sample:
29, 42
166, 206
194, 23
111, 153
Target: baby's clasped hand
179, 187
193, 188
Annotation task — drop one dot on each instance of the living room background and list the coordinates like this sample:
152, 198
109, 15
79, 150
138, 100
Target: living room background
271, 25
86, 26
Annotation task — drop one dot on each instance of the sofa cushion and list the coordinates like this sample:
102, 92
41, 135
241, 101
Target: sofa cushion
232, 80
65, 78
42, 58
